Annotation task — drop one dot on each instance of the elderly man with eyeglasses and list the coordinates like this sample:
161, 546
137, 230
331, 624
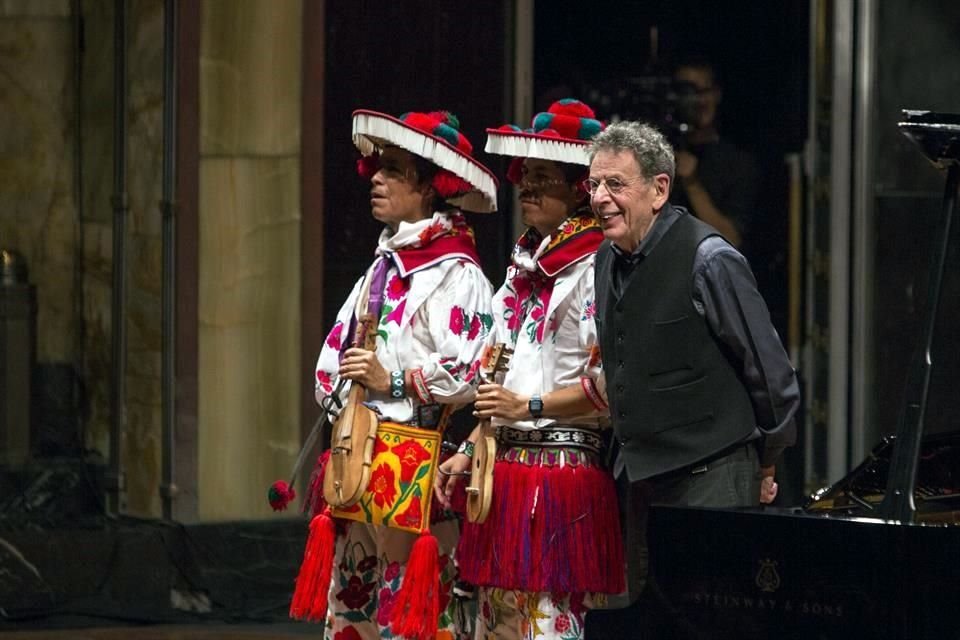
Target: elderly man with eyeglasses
702, 395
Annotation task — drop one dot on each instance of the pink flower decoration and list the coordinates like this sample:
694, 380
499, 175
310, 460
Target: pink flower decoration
397, 314
537, 316
393, 571
456, 320
323, 379
474, 328
385, 606
589, 310
397, 287
333, 338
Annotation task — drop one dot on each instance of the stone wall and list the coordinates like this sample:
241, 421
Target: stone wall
38, 217
140, 437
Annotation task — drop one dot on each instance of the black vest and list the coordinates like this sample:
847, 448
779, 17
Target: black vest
675, 393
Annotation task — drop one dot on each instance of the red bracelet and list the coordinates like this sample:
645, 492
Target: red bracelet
590, 388
420, 387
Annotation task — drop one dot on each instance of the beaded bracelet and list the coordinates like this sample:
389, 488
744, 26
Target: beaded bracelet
466, 448
396, 384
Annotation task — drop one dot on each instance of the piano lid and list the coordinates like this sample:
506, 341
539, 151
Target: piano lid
937, 135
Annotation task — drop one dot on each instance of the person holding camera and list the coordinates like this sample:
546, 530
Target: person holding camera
716, 180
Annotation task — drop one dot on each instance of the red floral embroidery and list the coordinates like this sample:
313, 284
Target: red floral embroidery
472, 372
333, 338
380, 447
412, 455
383, 484
475, 325
430, 233
397, 287
385, 602
456, 320
349, 633
356, 594
412, 516
323, 379
367, 563
537, 316
393, 571
589, 311
562, 625
397, 314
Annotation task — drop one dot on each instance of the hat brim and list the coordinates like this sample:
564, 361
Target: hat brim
521, 144
373, 130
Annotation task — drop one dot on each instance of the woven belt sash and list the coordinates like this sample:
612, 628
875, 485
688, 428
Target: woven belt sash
559, 436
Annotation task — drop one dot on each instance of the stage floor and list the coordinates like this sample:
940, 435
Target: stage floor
174, 632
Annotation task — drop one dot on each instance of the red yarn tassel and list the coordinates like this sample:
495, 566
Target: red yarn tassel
314, 502
313, 582
416, 610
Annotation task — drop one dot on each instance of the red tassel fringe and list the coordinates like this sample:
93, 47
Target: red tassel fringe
313, 582
416, 610
314, 503
554, 529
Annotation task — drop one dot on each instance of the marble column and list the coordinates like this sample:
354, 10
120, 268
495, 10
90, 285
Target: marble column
249, 264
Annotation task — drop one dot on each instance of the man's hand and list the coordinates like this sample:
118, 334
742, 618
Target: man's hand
362, 366
768, 486
448, 475
493, 401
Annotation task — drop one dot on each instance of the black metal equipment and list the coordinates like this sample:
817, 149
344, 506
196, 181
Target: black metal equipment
18, 312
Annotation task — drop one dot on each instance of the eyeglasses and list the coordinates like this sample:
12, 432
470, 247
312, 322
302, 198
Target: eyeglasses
614, 185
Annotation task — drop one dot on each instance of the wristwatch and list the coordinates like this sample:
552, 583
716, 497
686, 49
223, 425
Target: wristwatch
535, 406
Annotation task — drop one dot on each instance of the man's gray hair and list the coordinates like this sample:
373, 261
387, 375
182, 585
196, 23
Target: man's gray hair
649, 147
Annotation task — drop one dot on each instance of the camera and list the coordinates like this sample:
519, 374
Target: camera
659, 100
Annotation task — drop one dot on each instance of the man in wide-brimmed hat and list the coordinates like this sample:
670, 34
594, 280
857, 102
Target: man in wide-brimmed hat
550, 547
431, 304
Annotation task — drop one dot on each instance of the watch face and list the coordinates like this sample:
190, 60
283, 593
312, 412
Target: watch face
535, 406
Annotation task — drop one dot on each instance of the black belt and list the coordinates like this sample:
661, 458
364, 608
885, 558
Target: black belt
702, 466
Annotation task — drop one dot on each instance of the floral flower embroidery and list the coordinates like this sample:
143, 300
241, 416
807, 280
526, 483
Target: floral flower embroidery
323, 379
412, 516
367, 563
349, 633
396, 315
356, 594
397, 287
562, 623
456, 320
333, 338
412, 455
589, 310
430, 233
383, 485
475, 326
386, 599
472, 372
393, 571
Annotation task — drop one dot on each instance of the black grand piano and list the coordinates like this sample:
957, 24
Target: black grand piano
876, 555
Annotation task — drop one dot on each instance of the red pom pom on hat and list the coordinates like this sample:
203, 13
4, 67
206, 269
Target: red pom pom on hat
571, 107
